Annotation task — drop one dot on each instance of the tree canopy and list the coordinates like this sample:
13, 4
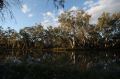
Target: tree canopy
79, 33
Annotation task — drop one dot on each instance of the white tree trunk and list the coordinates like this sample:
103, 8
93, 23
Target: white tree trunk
73, 57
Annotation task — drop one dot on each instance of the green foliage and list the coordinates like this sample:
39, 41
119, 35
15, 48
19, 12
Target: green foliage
74, 32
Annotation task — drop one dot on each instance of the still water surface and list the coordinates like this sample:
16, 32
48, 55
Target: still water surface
101, 60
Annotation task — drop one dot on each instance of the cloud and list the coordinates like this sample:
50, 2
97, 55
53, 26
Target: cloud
73, 8
88, 2
25, 8
49, 14
50, 19
97, 8
30, 15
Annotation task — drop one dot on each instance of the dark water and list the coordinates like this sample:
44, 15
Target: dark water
89, 64
105, 60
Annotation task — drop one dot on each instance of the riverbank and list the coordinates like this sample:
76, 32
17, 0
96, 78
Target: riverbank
63, 49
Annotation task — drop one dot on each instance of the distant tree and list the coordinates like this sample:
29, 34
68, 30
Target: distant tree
25, 38
107, 26
2, 37
103, 21
38, 36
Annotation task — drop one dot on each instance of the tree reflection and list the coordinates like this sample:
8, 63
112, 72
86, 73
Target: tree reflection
83, 60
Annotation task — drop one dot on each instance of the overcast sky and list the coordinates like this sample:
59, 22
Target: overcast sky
34, 12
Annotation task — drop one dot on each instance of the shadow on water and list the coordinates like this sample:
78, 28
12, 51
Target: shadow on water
105, 64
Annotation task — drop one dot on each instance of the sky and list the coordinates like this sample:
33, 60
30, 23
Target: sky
33, 12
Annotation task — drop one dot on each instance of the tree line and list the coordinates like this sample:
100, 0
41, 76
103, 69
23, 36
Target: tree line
74, 31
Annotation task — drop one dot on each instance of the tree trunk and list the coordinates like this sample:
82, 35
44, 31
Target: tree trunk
73, 57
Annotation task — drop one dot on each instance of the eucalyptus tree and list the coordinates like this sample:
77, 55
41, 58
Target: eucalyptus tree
38, 36
3, 40
1, 34
67, 20
115, 23
104, 27
59, 37
103, 21
107, 25
94, 37
8, 34
25, 38
14, 38
82, 35
72, 21
31, 36
49, 39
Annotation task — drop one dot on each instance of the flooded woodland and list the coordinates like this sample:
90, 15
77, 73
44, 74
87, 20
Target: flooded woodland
81, 41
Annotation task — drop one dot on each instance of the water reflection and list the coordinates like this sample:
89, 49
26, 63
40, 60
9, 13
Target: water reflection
100, 60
